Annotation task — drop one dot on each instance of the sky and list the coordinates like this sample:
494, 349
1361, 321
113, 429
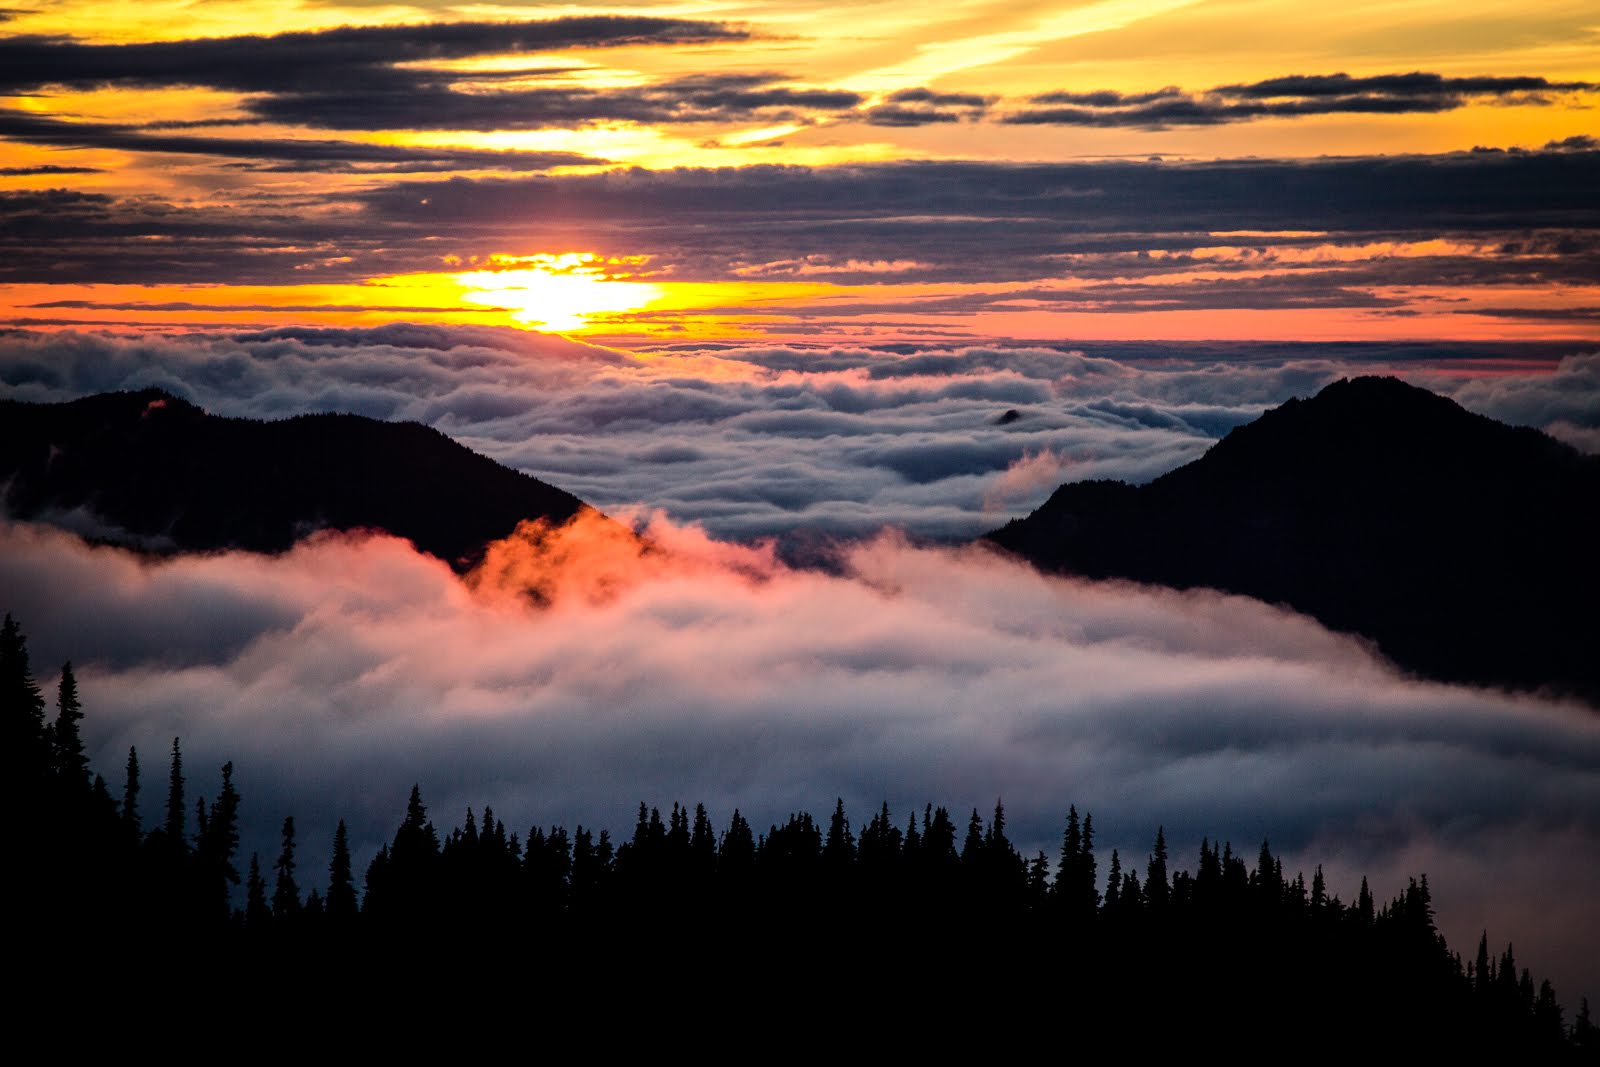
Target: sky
1117, 169
859, 278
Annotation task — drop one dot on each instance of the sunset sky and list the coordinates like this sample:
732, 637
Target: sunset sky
867, 275
1129, 169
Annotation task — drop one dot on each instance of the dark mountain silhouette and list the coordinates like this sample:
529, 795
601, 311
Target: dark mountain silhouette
1468, 550
154, 470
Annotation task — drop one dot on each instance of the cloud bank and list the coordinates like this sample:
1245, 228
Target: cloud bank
757, 441
340, 673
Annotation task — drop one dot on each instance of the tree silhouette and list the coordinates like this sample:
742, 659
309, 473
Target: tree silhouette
341, 905
173, 827
257, 913
216, 846
285, 893
1156, 887
23, 745
65, 738
130, 794
1361, 976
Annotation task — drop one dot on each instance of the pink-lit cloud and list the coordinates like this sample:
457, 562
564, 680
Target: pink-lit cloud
677, 667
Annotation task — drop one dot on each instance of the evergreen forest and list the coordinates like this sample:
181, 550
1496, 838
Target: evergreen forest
929, 928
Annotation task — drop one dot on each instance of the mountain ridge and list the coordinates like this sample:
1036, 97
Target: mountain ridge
160, 473
1461, 546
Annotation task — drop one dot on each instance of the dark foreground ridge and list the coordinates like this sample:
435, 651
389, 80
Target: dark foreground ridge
154, 471
1463, 547
920, 933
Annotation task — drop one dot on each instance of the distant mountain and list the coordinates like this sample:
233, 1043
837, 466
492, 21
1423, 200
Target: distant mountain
150, 469
1468, 550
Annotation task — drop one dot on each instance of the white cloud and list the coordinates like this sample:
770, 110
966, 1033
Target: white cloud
694, 670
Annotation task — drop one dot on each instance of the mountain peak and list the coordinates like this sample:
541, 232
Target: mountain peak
1460, 545
149, 468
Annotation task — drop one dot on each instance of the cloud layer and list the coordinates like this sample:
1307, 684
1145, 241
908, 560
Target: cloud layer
339, 674
760, 440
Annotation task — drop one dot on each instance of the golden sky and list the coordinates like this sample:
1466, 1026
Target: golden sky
182, 163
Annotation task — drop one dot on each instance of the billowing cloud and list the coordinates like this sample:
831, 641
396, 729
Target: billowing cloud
337, 675
761, 440
1029, 479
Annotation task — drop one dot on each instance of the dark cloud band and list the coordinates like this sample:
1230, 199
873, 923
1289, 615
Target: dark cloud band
1288, 97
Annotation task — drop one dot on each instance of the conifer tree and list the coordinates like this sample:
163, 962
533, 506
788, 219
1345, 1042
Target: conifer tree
1086, 878
130, 794
972, 847
1156, 887
702, 847
736, 853
839, 848
65, 738
24, 746
175, 809
1071, 845
878, 851
341, 903
217, 843
1039, 880
1113, 900
1549, 1029
257, 915
285, 893
1585, 1034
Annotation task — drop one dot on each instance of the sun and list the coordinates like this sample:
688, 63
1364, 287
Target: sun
555, 293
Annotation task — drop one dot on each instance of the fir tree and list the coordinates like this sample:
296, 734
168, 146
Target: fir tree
130, 794
173, 827
839, 848
972, 847
1585, 1034
257, 915
702, 847
217, 844
1086, 891
65, 738
341, 903
1039, 880
1156, 887
285, 893
1071, 846
24, 747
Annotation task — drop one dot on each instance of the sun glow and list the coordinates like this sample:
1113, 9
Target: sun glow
555, 293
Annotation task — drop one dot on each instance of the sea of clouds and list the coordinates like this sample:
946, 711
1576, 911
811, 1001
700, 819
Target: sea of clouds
706, 669
753, 441
338, 675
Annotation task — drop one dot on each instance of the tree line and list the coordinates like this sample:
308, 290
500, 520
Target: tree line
910, 896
